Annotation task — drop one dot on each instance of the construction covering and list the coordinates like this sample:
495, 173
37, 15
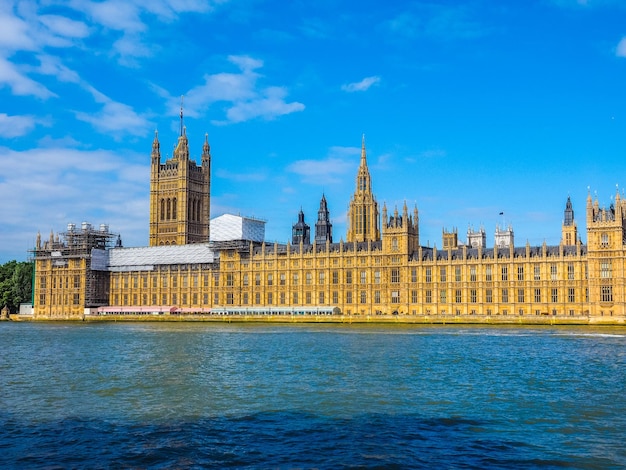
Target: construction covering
230, 227
146, 258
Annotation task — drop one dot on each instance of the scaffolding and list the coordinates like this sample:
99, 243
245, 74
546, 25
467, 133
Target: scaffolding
79, 244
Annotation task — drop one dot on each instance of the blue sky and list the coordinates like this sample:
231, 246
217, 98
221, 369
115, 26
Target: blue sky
469, 108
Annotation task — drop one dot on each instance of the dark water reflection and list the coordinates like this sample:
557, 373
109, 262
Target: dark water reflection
311, 396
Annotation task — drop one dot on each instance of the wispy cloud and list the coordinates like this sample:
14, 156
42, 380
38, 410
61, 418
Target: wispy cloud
620, 51
328, 170
77, 183
15, 126
245, 99
241, 177
437, 21
363, 85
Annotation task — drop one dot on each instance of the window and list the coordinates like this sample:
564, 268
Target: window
488, 296
473, 273
395, 276
413, 274
520, 295
442, 274
270, 279
488, 275
414, 296
570, 271
443, 296
605, 269
174, 281
348, 277
376, 296
363, 297
473, 296
245, 280
377, 277
282, 298
335, 277
270, 298
363, 277
520, 273
457, 274
229, 298
553, 272
395, 297
537, 295
295, 279
604, 239
295, 298
537, 271
283, 279
505, 273
321, 277
335, 297
229, 280
257, 298
554, 295
429, 296
348, 297
505, 295
257, 279
321, 298
571, 295
308, 279
606, 294
429, 275
457, 296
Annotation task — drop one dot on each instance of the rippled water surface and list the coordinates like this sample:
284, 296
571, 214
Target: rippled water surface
143, 395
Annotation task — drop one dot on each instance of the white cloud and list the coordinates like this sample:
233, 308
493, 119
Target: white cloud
246, 99
19, 83
269, 104
621, 48
116, 119
329, 170
45, 189
15, 126
363, 85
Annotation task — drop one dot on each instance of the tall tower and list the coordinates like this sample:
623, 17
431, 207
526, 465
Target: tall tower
323, 227
180, 194
363, 219
569, 231
300, 231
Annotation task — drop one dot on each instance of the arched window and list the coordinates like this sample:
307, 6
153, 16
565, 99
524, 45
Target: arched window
162, 209
169, 208
174, 208
198, 205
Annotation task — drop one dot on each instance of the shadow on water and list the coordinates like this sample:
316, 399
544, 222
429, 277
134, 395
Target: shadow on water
276, 440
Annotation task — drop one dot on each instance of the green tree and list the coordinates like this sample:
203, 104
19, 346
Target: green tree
15, 284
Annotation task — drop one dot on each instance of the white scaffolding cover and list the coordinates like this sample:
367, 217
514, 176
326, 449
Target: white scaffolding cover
146, 258
230, 227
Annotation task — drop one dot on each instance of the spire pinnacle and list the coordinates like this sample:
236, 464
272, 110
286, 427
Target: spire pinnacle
363, 157
181, 115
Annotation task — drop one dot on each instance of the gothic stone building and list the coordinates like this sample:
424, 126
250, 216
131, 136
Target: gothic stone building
380, 268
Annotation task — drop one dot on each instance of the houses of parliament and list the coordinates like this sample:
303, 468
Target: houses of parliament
202, 268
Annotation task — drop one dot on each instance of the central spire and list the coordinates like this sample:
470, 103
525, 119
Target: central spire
363, 157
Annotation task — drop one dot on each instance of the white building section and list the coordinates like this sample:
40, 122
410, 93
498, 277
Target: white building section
146, 258
230, 227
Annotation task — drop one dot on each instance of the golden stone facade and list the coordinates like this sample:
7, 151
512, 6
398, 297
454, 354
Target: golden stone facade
381, 268
179, 195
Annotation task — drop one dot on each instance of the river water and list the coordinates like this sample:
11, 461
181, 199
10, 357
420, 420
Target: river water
183, 395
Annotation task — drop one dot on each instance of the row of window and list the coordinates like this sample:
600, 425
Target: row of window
61, 282
361, 297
